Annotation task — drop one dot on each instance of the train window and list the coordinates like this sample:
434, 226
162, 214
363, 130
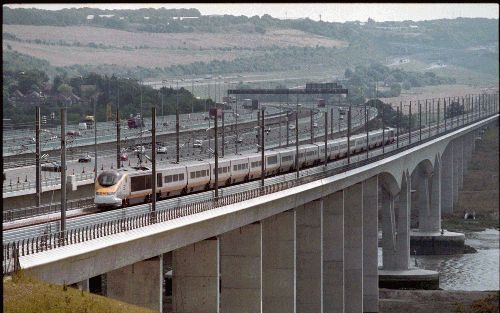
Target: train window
140, 183
181, 176
168, 179
225, 169
234, 168
204, 173
272, 159
193, 175
198, 174
107, 178
175, 177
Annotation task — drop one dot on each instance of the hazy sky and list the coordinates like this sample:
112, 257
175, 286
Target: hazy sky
337, 12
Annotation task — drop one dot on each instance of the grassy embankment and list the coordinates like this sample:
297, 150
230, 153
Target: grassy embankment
26, 295
431, 301
480, 192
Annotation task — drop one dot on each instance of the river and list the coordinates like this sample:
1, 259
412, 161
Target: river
472, 272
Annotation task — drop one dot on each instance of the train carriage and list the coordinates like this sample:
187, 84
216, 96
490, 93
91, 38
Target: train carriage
272, 164
287, 159
239, 168
223, 175
254, 165
198, 176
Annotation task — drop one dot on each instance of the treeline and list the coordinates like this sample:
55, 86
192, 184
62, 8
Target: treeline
366, 81
73, 16
108, 91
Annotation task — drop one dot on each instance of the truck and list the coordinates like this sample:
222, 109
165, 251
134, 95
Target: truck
251, 104
90, 121
215, 112
134, 122
229, 99
82, 126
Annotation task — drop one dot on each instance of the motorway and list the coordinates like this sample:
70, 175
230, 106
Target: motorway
107, 159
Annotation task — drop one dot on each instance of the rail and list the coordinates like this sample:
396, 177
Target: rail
13, 250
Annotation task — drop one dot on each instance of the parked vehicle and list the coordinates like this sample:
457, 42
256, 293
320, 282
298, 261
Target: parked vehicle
52, 167
85, 159
197, 144
161, 150
82, 126
123, 157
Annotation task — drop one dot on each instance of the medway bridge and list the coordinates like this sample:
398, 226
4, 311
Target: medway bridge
298, 243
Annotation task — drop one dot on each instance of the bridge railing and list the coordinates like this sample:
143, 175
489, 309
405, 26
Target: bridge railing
48, 241
15, 214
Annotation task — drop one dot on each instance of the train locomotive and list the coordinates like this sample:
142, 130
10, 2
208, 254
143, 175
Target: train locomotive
125, 187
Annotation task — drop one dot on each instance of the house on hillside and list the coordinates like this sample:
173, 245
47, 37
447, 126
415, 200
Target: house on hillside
19, 99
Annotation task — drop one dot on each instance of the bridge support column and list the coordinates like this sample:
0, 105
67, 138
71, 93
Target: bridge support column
388, 231
456, 170
140, 283
370, 245
333, 253
429, 239
240, 269
396, 272
461, 164
447, 180
422, 203
309, 258
403, 226
195, 277
278, 263
83, 285
353, 248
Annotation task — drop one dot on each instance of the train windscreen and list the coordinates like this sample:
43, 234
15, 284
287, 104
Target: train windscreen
106, 179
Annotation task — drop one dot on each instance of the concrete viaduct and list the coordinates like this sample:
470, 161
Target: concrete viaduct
311, 248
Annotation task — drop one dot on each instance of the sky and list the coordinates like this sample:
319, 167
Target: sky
331, 12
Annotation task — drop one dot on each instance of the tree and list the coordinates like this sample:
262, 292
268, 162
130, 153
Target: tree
65, 89
395, 90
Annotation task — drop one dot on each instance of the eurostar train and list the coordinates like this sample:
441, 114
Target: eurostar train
125, 187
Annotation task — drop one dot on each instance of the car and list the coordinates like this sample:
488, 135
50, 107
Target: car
85, 159
74, 133
161, 150
52, 167
123, 157
315, 125
239, 140
291, 127
197, 144
139, 149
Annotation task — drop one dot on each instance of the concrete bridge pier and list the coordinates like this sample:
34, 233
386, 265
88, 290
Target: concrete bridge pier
195, 277
447, 190
457, 165
309, 257
353, 248
396, 271
140, 283
278, 263
429, 238
240, 269
333, 252
370, 245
